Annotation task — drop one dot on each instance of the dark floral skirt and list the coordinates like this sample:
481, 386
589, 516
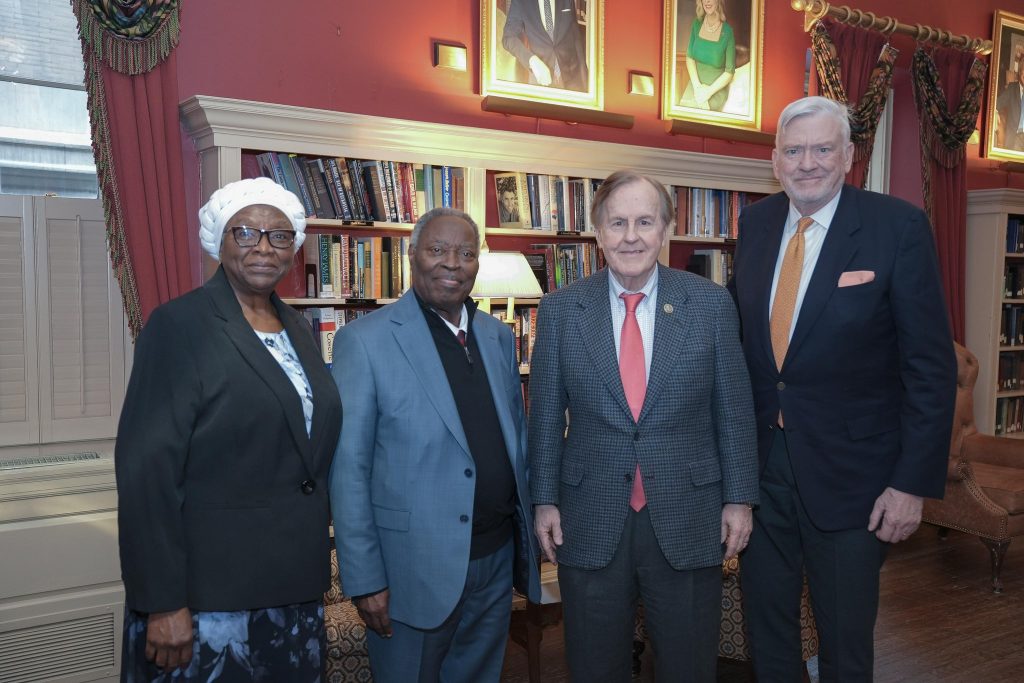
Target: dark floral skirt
259, 646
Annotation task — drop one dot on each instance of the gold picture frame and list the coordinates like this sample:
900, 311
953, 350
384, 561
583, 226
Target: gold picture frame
1006, 72
511, 66
736, 103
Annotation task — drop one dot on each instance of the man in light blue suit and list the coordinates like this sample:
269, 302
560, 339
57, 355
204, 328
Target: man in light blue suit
432, 516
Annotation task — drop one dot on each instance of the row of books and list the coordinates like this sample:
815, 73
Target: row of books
524, 328
1014, 235
701, 212
534, 201
365, 190
558, 265
1011, 371
1009, 415
714, 264
344, 266
326, 321
1011, 330
1013, 281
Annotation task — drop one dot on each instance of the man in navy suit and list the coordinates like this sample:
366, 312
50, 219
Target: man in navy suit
854, 377
1008, 108
642, 451
546, 39
432, 517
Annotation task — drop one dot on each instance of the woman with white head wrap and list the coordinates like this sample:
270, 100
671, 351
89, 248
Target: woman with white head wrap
226, 438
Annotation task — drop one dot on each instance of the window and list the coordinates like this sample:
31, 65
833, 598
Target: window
45, 146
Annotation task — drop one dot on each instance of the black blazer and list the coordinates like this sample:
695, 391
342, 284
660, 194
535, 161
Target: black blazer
222, 495
869, 381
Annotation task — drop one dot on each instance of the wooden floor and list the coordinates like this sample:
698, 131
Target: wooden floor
938, 621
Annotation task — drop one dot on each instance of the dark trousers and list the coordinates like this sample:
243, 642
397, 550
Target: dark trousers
682, 612
842, 574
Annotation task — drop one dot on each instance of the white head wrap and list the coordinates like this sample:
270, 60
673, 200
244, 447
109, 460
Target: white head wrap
233, 197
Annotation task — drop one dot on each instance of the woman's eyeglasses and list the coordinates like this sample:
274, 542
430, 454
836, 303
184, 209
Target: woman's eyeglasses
247, 237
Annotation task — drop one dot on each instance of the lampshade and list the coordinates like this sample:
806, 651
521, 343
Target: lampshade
505, 274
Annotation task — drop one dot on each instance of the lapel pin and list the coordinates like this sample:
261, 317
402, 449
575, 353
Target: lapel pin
667, 308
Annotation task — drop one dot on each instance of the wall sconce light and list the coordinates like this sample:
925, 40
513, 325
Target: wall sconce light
641, 83
449, 55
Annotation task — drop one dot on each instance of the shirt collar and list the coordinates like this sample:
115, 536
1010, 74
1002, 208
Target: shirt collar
822, 216
465, 317
615, 289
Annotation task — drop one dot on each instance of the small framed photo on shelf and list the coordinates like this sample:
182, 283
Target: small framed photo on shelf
1004, 138
543, 50
711, 62
511, 193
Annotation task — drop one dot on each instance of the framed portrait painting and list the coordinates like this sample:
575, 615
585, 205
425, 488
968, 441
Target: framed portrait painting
543, 50
711, 61
1004, 136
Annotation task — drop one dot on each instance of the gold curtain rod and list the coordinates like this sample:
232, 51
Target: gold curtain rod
815, 10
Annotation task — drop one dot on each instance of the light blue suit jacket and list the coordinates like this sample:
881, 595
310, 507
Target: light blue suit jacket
401, 499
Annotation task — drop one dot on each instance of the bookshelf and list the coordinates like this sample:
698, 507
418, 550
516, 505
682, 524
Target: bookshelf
225, 130
991, 267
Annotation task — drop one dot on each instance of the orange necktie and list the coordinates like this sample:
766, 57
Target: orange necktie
785, 292
633, 372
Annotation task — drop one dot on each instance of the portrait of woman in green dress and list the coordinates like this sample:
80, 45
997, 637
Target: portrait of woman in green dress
710, 58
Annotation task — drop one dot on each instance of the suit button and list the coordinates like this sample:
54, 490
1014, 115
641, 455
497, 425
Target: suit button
464, 518
308, 486
469, 472
636, 436
780, 386
629, 477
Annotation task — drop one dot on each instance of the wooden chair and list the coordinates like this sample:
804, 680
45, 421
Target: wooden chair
984, 478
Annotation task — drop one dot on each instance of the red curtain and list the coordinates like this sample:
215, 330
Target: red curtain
948, 85
860, 79
145, 142
131, 81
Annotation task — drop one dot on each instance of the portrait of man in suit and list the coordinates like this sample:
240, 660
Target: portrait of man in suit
508, 200
432, 515
1010, 127
641, 445
548, 42
851, 360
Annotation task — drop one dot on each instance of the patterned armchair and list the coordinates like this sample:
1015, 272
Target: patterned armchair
347, 658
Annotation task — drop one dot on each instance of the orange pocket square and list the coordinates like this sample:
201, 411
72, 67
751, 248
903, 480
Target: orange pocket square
856, 277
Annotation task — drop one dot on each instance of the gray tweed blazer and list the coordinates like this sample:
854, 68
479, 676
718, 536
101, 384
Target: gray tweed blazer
695, 440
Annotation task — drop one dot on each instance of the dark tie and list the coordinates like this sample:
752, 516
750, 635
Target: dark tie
633, 372
549, 18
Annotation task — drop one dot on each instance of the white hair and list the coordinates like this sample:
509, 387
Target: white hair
233, 197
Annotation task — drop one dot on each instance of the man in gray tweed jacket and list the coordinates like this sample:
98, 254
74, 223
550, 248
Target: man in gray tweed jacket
642, 450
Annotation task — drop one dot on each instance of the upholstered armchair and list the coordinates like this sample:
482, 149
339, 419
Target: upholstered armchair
347, 658
984, 479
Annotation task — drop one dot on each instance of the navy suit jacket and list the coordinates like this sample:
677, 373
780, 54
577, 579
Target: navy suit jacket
869, 380
524, 36
400, 493
694, 440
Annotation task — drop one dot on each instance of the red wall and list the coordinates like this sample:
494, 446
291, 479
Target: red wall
375, 58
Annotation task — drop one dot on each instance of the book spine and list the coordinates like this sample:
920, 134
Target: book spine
446, 186
388, 185
326, 288
298, 169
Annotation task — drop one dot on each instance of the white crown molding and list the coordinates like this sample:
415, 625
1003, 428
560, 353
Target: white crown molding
996, 200
216, 122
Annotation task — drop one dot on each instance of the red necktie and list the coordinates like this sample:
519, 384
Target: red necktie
633, 371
